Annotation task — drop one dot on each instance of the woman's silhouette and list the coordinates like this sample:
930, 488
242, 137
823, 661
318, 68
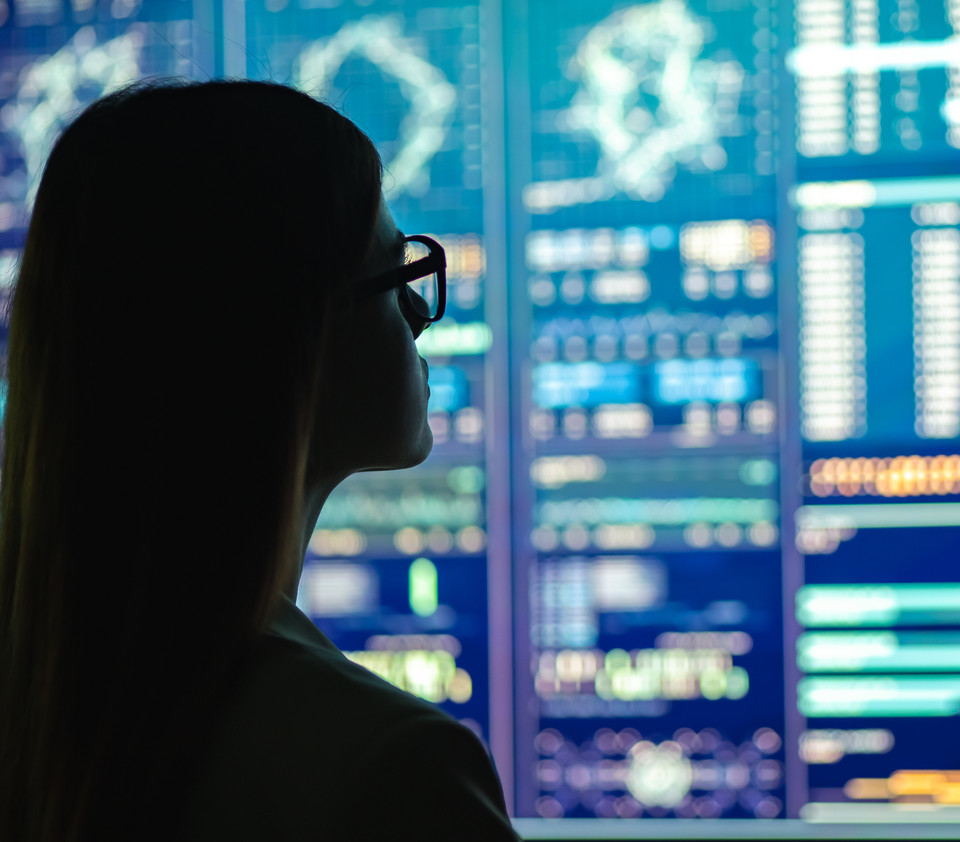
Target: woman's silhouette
195, 361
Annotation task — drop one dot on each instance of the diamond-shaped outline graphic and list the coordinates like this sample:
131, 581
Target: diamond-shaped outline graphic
380, 40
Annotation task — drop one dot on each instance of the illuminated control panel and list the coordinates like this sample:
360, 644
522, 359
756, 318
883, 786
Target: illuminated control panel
876, 79
684, 547
878, 277
647, 539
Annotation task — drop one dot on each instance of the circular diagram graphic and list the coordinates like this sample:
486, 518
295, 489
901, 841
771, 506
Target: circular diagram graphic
659, 775
651, 103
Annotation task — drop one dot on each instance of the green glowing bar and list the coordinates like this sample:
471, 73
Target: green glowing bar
423, 587
879, 652
455, 339
667, 512
878, 605
381, 511
878, 516
887, 696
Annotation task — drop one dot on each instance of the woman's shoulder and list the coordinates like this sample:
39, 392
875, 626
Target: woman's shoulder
321, 685
312, 745
296, 672
303, 733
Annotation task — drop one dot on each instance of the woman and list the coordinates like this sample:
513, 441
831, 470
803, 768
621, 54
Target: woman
197, 358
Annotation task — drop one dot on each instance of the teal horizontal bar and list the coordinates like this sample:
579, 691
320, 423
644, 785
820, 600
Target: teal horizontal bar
879, 652
882, 814
837, 59
907, 191
878, 516
821, 606
886, 696
936, 824
888, 192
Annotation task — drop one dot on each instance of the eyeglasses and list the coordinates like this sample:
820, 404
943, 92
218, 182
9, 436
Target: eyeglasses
423, 278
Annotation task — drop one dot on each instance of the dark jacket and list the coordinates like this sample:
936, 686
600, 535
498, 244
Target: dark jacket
315, 747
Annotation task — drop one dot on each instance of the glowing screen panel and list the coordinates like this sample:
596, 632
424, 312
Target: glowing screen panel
684, 545
397, 570
648, 532
877, 269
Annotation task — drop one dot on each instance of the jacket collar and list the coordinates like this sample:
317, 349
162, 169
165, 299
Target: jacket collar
291, 623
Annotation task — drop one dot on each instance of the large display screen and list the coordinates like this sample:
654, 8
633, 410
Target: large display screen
684, 545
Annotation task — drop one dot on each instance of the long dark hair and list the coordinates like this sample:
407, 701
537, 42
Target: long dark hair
168, 333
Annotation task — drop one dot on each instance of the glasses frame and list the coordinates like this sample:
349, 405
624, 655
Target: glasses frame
400, 276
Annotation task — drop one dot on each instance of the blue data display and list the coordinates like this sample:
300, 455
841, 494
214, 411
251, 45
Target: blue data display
449, 389
650, 250
684, 545
683, 381
875, 81
585, 384
878, 276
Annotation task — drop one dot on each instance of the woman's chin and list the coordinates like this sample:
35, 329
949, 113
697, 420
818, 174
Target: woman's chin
414, 454
423, 447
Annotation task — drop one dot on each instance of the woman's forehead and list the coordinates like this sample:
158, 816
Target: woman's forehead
387, 244
386, 225
390, 237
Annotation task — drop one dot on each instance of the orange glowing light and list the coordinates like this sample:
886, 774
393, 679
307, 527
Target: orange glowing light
900, 476
941, 786
867, 789
949, 794
917, 783
761, 241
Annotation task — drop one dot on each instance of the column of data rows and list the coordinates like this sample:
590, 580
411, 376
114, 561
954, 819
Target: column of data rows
822, 127
951, 103
832, 341
866, 82
936, 331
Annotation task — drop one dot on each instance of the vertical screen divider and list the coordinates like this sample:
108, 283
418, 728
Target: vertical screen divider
795, 773
497, 391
